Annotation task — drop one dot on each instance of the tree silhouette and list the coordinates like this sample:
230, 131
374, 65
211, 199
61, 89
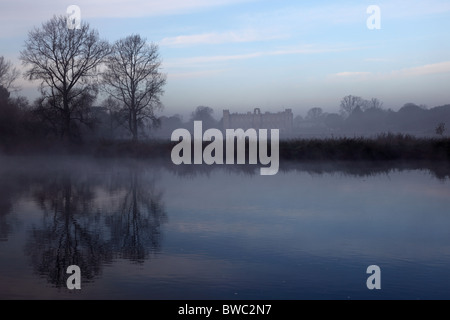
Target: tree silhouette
314, 114
8, 74
65, 61
440, 129
373, 103
350, 103
204, 114
132, 77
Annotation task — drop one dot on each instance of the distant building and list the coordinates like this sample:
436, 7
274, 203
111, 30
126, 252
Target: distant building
257, 120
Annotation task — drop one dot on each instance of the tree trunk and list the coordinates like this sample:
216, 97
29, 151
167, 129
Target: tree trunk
67, 132
135, 127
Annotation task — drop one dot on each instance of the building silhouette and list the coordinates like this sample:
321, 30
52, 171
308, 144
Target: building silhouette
257, 120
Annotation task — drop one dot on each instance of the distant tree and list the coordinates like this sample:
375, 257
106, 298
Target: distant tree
298, 120
314, 114
440, 129
21, 102
8, 117
13, 117
133, 77
412, 109
204, 114
175, 121
350, 103
8, 74
4, 94
65, 61
373, 103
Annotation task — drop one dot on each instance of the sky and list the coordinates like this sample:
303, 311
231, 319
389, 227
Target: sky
244, 54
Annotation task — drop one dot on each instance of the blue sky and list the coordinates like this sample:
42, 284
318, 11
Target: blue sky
242, 54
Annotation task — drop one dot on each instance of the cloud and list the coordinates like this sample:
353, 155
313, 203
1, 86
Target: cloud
435, 68
377, 60
428, 69
24, 9
193, 75
220, 38
307, 49
400, 9
16, 17
352, 74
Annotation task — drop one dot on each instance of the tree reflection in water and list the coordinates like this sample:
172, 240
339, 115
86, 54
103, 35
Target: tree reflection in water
93, 214
78, 228
11, 188
70, 232
135, 224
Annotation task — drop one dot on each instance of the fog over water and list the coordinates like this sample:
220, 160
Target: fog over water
139, 229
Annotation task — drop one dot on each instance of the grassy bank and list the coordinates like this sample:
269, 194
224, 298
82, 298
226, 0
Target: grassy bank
382, 148
386, 147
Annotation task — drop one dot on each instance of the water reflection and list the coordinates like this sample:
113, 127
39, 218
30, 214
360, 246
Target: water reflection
135, 223
12, 187
89, 219
439, 170
312, 226
6, 204
70, 232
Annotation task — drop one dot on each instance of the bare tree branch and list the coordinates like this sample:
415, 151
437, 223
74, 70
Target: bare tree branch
66, 63
132, 76
8, 74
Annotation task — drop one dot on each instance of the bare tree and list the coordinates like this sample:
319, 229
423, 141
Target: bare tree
204, 114
66, 62
374, 103
440, 129
8, 74
132, 77
350, 103
314, 114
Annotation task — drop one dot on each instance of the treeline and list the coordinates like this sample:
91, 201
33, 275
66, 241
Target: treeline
382, 148
356, 117
19, 123
72, 67
21, 130
26, 126
360, 117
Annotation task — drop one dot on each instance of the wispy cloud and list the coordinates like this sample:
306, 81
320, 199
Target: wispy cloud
21, 14
110, 8
399, 9
434, 68
249, 35
307, 49
377, 60
193, 75
139, 8
351, 74
428, 69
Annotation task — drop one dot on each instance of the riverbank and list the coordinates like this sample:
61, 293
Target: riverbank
386, 147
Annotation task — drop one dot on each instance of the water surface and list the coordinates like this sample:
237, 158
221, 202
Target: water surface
141, 230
